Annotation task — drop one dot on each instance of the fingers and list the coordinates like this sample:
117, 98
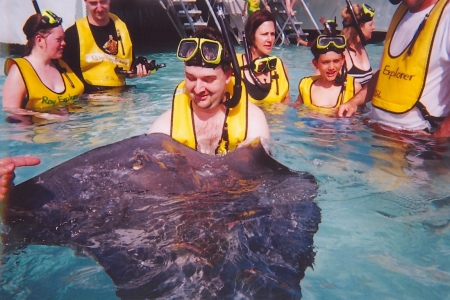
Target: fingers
18, 161
345, 111
7, 166
141, 71
6, 184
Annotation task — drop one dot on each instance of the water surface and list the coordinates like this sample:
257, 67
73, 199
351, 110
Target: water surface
385, 199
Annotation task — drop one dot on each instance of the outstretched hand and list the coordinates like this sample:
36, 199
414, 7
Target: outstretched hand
347, 109
7, 166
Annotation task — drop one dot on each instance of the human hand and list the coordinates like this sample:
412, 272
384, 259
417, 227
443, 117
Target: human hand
347, 110
7, 166
141, 71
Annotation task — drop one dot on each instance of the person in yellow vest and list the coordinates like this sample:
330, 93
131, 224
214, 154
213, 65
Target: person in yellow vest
411, 91
264, 75
207, 112
250, 6
333, 86
91, 61
7, 166
40, 82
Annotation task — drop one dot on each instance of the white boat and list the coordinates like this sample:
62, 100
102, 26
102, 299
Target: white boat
14, 13
148, 18
310, 11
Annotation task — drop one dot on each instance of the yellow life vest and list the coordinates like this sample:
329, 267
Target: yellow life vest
182, 127
305, 86
253, 5
279, 83
97, 66
401, 79
40, 97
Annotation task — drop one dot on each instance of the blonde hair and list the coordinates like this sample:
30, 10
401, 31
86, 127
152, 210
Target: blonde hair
349, 30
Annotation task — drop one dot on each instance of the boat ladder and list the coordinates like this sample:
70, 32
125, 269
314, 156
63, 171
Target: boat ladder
288, 27
235, 19
184, 15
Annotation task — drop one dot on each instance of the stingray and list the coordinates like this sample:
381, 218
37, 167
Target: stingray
165, 221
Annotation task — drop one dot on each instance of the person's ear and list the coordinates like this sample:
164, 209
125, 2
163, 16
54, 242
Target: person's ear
39, 38
314, 62
228, 75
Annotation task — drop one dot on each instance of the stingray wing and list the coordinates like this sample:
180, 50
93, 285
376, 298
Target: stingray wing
167, 221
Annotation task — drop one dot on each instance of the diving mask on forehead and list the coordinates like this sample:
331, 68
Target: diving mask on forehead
50, 19
326, 41
264, 64
200, 51
367, 13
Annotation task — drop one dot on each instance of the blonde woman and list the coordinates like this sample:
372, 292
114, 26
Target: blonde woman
357, 32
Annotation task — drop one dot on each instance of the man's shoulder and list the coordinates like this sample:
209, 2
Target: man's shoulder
71, 29
255, 110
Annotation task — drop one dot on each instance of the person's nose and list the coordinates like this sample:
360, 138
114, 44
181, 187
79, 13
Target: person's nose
199, 86
99, 6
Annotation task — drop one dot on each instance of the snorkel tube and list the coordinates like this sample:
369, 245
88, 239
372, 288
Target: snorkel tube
36, 6
258, 84
237, 89
357, 27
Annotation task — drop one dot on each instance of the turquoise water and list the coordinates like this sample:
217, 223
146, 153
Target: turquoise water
385, 200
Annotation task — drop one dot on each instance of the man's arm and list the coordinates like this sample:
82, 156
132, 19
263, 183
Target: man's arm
7, 166
298, 102
162, 123
363, 96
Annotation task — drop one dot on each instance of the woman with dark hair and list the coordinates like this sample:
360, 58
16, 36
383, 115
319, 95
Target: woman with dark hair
265, 76
40, 81
357, 33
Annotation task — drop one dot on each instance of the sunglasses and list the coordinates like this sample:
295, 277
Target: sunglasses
263, 64
211, 51
325, 41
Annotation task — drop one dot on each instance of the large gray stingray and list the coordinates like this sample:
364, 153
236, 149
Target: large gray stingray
168, 222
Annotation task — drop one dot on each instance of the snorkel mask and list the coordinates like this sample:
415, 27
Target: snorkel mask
367, 16
395, 2
264, 64
367, 13
335, 43
260, 64
326, 43
48, 21
200, 52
